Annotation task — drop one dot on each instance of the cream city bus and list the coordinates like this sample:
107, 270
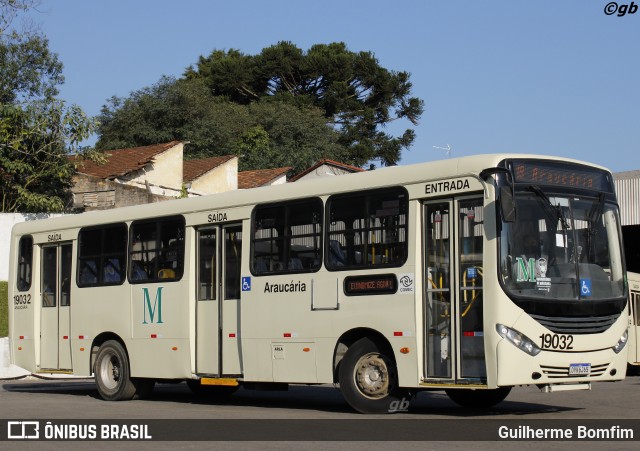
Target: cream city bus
468, 275
634, 322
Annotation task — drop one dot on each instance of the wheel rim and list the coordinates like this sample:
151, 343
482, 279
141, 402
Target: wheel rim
372, 376
110, 371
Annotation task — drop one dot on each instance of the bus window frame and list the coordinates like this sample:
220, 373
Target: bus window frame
102, 257
158, 250
366, 195
288, 204
27, 264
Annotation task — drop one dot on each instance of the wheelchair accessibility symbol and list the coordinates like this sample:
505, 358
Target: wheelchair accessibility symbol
585, 287
246, 284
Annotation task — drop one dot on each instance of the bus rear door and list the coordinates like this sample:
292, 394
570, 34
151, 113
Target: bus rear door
55, 314
218, 300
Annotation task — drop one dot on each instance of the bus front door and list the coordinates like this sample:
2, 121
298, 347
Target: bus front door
218, 346
453, 252
634, 330
55, 317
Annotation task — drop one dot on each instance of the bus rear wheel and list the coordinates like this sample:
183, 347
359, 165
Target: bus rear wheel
368, 378
478, 399
112, 373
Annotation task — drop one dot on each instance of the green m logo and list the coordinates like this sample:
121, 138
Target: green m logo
526, 270
152, 309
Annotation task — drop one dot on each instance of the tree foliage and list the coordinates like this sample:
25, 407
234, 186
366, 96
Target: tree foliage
37, 130
327, 102
356, 94
290, 135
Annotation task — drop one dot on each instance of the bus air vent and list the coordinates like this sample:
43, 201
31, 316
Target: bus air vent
577, 325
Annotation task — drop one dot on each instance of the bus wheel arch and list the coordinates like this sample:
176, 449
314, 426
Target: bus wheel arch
348, 338
366, 370
112, 371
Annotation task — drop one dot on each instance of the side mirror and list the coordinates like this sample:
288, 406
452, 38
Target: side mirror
507, 204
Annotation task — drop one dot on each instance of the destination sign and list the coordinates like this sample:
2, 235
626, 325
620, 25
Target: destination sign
548, 173
374, 284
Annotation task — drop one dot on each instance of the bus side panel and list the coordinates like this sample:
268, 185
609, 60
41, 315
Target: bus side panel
281, 333
164, 358
159, 344
22, 311
95, 311
21, 332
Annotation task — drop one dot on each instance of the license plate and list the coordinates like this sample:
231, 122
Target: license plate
579, 369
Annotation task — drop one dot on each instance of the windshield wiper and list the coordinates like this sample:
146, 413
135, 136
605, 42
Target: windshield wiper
553, 212
595, 213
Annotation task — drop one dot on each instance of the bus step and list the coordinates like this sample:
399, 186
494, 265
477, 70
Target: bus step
226, 382
564, 387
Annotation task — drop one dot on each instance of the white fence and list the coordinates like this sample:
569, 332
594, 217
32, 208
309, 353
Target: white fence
7, 221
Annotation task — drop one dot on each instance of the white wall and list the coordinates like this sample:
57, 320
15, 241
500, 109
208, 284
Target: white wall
7, 221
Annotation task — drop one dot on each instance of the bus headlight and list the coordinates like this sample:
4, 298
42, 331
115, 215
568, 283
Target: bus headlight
621, 343
518, 340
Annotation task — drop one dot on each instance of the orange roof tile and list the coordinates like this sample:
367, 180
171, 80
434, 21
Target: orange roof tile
124, 161
192, 169
259, 177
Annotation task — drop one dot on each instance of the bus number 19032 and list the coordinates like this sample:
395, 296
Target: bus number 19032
553, 341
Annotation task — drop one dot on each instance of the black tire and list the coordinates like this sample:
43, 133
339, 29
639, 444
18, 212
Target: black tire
112, 373
478, 399
210, 391
368, 379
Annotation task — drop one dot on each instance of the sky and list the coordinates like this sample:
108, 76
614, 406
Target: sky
548, 77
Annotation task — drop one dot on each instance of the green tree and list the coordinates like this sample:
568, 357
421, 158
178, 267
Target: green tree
171, 110
37, 130
289, 135
356, 94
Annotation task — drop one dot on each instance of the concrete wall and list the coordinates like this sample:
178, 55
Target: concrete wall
108, 194
7, 221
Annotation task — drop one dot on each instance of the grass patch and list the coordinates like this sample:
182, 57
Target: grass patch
4, 312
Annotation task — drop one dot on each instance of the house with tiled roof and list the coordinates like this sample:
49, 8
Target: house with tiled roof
130, 176
210, 175
325, 168
262, 177
146, 174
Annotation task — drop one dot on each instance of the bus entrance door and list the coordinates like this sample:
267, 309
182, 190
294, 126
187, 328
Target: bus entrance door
453, 252
55, 318
218, 300
438, 307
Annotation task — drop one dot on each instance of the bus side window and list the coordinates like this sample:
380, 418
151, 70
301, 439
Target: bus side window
157, 249
137, 271
102, 255
367, 228
287, 237
88, 273
25, 260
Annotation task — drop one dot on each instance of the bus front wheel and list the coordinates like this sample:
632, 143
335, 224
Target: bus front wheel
112, 373
368, 378
478, 399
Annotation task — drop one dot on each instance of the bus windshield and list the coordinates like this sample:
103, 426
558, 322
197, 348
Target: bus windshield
562, 247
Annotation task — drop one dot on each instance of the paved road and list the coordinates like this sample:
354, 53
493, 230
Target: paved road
55, 400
